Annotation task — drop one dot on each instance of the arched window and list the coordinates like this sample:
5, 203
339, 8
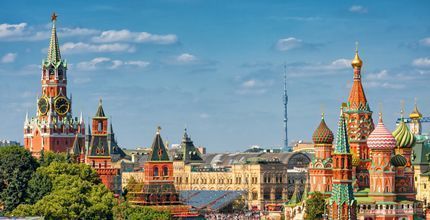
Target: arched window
155, 171
165, 171
100, 126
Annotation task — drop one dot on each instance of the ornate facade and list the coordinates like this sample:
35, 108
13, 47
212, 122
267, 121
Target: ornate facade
266, 181
342, 204
372, 174
54, 128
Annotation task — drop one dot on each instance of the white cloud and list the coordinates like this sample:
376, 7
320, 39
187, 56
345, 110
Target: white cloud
338, 64
204, 115
288, 44
186, 58
421, 62
425, 42
12, 30
9, 58
136, 37
377, 76
81, 47
358, 9
22, 32
254, 86
386, 85
108, 63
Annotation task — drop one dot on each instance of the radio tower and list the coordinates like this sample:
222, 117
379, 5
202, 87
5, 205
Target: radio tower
286, 147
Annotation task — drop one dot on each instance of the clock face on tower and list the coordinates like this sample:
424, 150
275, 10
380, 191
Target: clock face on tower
61, 105
43, 105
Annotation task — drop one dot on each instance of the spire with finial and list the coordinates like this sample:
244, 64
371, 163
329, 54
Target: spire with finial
54, 55
342, 144
100, 112
158, 149
26, 118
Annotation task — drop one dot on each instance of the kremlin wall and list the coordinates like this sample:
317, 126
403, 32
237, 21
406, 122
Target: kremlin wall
364, 170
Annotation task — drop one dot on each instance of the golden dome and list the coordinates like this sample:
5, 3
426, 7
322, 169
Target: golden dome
415, 114
356, 62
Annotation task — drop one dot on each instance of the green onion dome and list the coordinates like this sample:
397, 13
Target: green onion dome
323, 134
398, 160
404, 137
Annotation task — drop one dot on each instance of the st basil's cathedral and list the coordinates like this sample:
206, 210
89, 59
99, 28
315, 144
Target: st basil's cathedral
367, 174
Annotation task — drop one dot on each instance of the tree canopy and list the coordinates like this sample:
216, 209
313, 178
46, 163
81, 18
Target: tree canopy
315, 206
76, 194
16, 169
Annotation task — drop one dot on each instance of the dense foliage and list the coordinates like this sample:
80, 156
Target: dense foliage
16, 169
315, 206
76, 193
56, 188
125, 211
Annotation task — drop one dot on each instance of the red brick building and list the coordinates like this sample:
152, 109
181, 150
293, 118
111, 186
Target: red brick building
53, 128
103, 151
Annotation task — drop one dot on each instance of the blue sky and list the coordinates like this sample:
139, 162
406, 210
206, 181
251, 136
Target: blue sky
216, 66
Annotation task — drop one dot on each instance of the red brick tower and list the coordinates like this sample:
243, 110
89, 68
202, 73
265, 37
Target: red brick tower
53, 128
158, 185
342, 204
320, 169
382, 173
360, 124
100, 150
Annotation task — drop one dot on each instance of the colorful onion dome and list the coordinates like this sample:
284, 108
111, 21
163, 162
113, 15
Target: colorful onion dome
381, 138
323, 134
404, 137
398, 160
356, 62
355, 160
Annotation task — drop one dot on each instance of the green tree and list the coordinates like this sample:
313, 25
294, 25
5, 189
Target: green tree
315, 206
39, 185
50, 157
16, 169
125, 211
76, 194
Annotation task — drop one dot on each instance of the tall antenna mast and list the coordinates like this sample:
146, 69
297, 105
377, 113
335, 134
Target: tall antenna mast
286, 147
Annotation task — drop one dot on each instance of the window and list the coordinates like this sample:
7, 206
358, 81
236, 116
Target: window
155, 171
165, 171
100, 126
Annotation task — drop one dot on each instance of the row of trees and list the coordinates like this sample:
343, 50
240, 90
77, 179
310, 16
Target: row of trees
56, 188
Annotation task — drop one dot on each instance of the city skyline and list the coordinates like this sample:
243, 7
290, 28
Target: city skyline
226, 89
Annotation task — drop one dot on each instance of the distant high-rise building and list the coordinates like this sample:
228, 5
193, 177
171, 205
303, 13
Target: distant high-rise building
286, 146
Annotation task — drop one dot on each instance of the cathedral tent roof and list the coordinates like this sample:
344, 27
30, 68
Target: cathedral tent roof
158, 150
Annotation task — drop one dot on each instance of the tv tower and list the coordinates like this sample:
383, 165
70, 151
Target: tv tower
285, 98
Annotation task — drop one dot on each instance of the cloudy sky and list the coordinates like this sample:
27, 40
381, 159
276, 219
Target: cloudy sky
216, 67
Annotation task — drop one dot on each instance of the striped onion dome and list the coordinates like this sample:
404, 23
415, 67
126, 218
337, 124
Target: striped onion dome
381, 137
323, 134
404, 137
398, 160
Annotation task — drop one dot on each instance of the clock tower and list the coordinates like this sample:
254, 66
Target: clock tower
53, 128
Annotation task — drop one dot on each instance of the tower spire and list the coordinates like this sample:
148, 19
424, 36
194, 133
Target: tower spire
286, 147
54, 55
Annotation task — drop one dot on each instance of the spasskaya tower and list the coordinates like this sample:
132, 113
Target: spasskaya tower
53, 128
